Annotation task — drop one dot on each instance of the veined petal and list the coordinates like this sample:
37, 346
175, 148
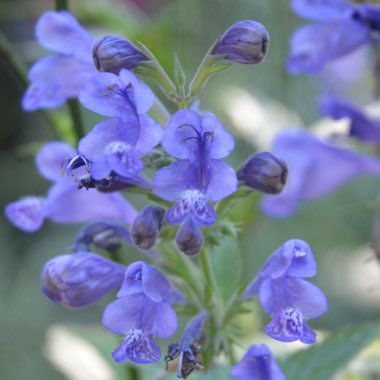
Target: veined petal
61, 32
223, 181
27, 214
138, 347
222, 143
142, 94
170, 181
179, 133
50, 159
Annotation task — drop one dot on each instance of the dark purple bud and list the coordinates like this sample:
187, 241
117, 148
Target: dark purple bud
264, 172
80, 279
113, 53
105, 235
189, 238
145, 227
244, 42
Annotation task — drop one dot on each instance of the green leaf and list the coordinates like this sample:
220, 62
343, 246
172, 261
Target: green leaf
226, 261
322, 361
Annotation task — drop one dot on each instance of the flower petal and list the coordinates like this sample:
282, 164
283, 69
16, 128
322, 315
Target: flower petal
166, 322
61, 32
51, 157
138, 347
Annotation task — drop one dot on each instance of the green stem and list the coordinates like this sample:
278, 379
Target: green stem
76, 117
209, 275
132, 373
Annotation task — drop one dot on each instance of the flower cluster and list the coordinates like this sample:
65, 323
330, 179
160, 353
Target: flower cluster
186, 179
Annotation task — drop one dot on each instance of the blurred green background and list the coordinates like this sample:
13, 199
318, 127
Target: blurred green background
338, 227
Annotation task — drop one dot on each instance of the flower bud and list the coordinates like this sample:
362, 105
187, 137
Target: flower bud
113, 53
264, 172
244, 42
80, 279
189, 238
106, 235
145, 227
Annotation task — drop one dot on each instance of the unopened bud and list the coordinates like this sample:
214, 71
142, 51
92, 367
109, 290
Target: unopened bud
80, 279
106, 235
145, 227
113, 53
264, 172
244, 42
189, 238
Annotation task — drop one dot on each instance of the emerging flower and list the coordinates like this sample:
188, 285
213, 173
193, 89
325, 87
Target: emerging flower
316, 168
64, 202
258, 363
141, 312
244, 42
58, 77
113, 53
199, 176
264, 172
188, 347
361, 126
80, 279
341, 28
287, 298
144, 230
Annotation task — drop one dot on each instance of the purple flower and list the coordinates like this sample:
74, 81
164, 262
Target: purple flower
64, 202
114, 53
188, 347
58, 77
244, 42
361, 126
116, 146
199, 176
258, 363
287, 298
80, 279
142, 312
122, 96
316, 168
341, 28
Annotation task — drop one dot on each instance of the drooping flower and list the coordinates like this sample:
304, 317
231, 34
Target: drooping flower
244, 42
341, 28
264, 172
200, 175
142, 311
80, 279
64, 202
361, 126
258, 363
58, 77
285, 296
316, 168
188, 347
